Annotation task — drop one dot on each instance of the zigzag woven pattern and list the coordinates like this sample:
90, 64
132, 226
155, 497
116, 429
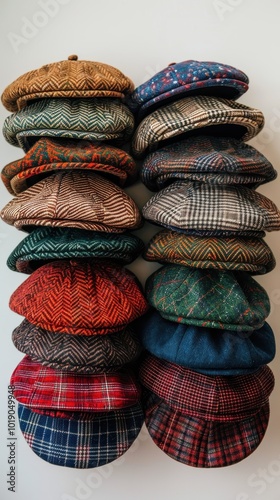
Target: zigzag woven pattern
74, 199
70, 78
92, 119
79, 353
235, 254
80, 297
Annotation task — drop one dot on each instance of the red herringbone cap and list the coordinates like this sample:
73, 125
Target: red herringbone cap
82, 297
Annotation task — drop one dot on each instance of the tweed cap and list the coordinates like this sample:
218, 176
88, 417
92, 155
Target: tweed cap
202, 443
200, 114
234, 254
38, 386
50, 155
81, 297
45, 244
84, 119
211, 159
73, 199
207, 350
84, 441
188, 78
214, 398
185, 205
77, 353
207, 297
69, 78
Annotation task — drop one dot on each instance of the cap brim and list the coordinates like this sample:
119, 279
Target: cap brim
200, 443
96, 440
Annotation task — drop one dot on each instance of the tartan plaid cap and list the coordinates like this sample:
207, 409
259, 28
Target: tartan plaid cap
212, 207
89, 440
201, 443
38, 386
106, 119
78, 199
49, 155
208, 297
210, 159
234, 254
196, 115
207, 350
214, 398
77, 353
188, 78
82, 297
45, 244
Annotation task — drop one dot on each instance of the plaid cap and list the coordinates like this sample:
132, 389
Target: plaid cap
200, 443
84, 119
77, 353
186, 205
38, 386
200, 114
211, 159
206, 350
206, 297
214, 398
69, 78
45, 244
49, 155
234, 254
89, 440
188, 78
82, 297
73, 199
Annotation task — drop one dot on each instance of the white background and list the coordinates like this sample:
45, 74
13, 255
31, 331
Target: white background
140, 38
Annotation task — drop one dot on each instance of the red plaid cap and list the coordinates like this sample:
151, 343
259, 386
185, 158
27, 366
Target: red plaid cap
37, 386
214, 398
201, 443
84, 297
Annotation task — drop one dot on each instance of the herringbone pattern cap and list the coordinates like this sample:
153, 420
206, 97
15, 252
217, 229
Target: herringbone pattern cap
74, 199
50, 155
45, 244
207, 297
84, 119
77, 353
235, 254
69, 78
199, 113
80, 297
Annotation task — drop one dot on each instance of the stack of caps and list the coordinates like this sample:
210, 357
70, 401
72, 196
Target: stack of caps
206, 377
79, 400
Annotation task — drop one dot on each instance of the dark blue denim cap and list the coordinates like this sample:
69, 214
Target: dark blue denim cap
207, 350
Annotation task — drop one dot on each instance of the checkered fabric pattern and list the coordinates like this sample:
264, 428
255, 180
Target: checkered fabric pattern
210, 159
93, 440
45, 244
207, 350
95, 119
37, 386
202, 114
73, 199
233, 254
207, 297
214, 398
81, 297
48, 155
200, 443
185, 205
77, 353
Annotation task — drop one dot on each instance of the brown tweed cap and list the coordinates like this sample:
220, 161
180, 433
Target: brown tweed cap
70, 78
